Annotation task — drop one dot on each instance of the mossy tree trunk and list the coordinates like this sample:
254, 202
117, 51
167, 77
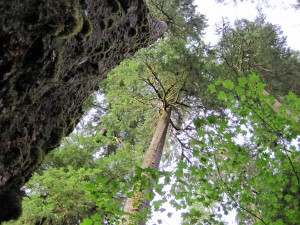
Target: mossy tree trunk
152, 159
53, 54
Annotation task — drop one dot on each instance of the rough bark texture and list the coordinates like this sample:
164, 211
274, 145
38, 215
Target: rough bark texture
153, 155
152, 160
53, 53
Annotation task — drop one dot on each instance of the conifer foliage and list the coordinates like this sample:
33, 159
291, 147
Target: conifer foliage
217, 126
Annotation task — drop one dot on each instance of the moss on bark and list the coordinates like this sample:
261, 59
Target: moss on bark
53, 53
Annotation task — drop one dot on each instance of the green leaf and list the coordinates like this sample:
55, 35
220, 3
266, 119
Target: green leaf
199, 122
87, 222
91, 187
288, 198
228, 84
212, 119
242, 82
157, 204
101, 180
222, 95
95, 217
253, 78
182, 165
218, 81
212, 88
291, 96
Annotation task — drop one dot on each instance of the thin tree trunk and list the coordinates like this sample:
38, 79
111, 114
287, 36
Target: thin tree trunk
152, 160
276, 106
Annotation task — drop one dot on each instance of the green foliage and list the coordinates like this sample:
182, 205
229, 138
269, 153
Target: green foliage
182, 19
135, 92
241, 158
58, 196
128, 116
248, 162
74, 178
259, 47
106, 149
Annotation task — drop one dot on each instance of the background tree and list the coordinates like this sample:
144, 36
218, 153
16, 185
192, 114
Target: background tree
266, 155
215, 171
76, 43
265, 2
63, 191
119, 129
166, 80
238, 178
259, 47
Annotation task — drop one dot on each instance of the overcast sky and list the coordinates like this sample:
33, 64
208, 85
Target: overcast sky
283, 15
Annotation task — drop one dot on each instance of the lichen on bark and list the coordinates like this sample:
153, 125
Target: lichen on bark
53, 54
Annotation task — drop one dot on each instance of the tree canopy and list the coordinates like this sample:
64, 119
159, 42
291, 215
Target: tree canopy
229, 145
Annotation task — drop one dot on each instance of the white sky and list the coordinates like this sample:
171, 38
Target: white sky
283, 15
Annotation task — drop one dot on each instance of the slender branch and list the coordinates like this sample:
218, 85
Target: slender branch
119, 141
170, 19
229, 192
229, 65
185, 105
183, 156
156, 78
146, 102
147, 80
278, 134
175, 100
174, 126
172, 85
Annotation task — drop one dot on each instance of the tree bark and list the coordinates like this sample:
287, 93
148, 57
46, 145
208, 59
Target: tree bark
152, 159
53, 54
276, 106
